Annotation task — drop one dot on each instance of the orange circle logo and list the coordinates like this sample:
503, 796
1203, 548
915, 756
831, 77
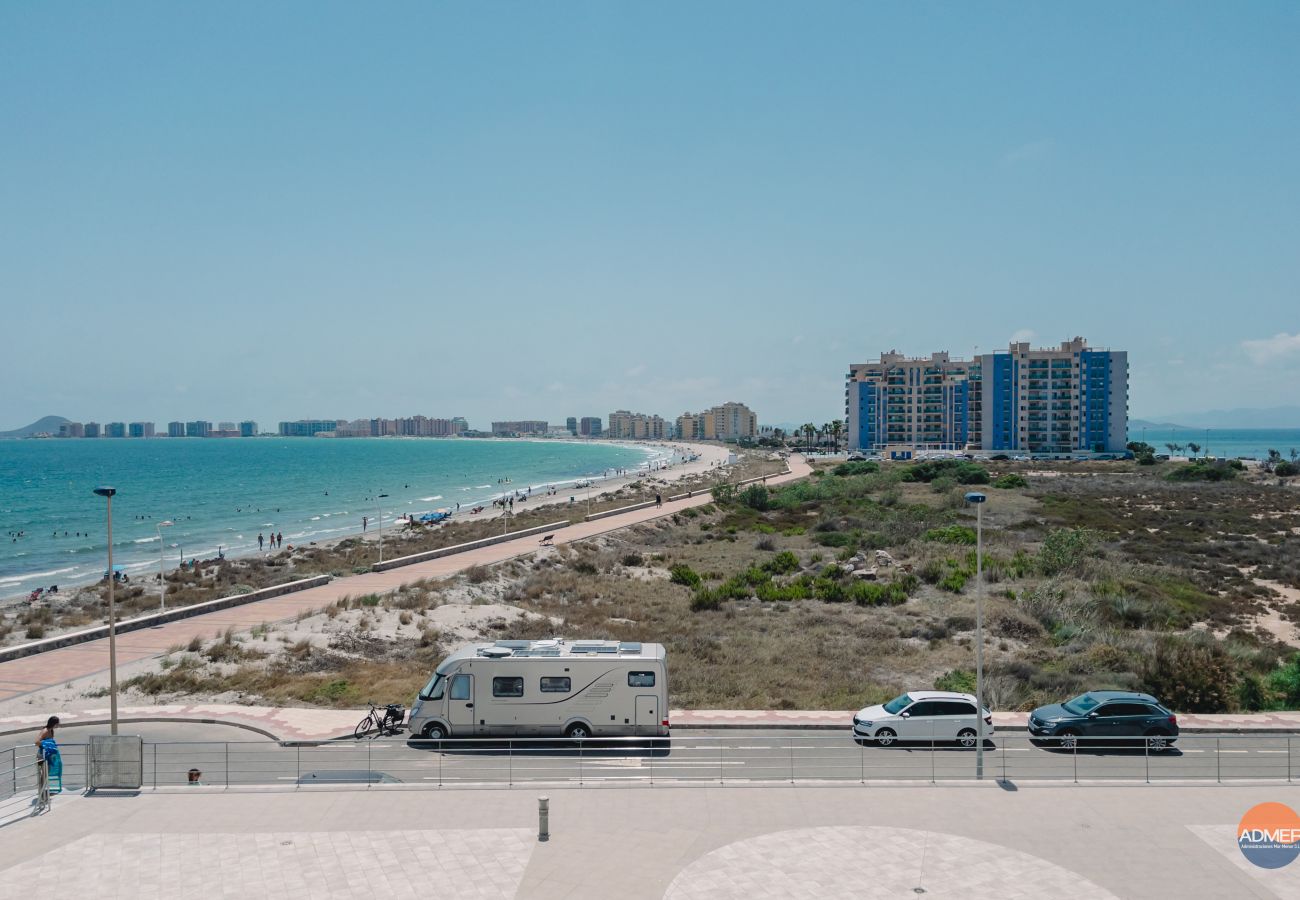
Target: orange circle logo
1269, 835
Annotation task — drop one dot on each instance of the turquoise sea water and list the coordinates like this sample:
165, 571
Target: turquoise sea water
1252, 443
222, 493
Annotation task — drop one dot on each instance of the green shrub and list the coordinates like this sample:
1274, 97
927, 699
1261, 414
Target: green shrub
959, 470
724, 494
959, 680
705, 599
875, 593
836, 539
860, 467
1200, 470
783, 563
1190, 675
684, 575
1285, 469
1285, 681
952, 534
633, 559
794, 531
1010, 480
953, 581
756, 497
1065, 549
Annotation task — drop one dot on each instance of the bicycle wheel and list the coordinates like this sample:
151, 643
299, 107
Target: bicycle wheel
362, 727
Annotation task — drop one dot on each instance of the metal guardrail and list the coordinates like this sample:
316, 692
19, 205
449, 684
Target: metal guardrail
712, 760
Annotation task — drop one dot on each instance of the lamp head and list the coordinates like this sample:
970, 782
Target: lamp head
975, 497
104, 491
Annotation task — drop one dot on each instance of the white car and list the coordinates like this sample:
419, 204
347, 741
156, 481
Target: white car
922, 716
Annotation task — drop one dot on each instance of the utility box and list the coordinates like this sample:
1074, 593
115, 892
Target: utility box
116, 762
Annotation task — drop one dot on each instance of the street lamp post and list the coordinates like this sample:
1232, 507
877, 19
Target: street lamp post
379, 508
162, 578
107, 493
978, 499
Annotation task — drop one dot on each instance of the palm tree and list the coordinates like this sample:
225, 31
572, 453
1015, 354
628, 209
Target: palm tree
1195, 448
837, 428
809, 429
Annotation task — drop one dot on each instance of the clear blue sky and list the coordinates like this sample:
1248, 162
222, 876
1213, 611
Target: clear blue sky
510, 210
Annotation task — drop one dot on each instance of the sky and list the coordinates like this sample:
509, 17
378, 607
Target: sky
536, 210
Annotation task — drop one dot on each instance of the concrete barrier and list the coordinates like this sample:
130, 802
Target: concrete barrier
148, 621
461, 548
622, 509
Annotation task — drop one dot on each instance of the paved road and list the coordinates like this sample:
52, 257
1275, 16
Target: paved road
728, 757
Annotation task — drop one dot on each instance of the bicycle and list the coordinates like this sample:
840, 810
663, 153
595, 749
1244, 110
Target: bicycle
384, 721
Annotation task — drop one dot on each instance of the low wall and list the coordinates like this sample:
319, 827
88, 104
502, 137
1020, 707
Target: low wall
152, 619
461, 548
622, 509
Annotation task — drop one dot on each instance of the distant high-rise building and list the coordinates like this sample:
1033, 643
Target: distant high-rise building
140, 429
1057, 400
571, 423
199, 428
72, 430
624, 425
459, 425
589, 426
227, 426
689, 426
176, 429
307, 427
521, 426
248, 429
92, 429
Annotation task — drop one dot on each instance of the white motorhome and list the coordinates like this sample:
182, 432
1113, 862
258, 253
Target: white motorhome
546, 688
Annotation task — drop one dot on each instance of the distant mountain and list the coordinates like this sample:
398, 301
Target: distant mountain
1138, 424
1271, 417
48, 423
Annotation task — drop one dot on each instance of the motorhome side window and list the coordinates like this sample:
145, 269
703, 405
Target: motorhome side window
640, 679
512, 686
460, 687
556, 685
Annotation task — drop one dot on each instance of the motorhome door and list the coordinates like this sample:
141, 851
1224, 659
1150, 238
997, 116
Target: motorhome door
647, 713
460, 704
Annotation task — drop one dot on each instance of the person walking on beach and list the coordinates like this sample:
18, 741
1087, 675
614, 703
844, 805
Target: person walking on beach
659, 500
279, 539
259, 541
365, 521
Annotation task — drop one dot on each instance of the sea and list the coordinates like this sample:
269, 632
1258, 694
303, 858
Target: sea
221, 493
1229, 443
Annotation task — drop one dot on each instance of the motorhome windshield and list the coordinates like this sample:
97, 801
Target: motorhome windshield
433, 690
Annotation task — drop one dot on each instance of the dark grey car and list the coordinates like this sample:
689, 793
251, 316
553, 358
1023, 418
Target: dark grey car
1104, 719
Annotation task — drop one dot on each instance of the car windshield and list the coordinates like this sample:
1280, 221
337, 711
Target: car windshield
898, 704
1081, 704
433, 690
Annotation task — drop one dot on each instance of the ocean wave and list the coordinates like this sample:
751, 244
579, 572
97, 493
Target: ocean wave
435, 497
18, 579
479, 487
148, 540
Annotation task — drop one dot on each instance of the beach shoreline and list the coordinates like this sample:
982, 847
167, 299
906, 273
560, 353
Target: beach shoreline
657, 452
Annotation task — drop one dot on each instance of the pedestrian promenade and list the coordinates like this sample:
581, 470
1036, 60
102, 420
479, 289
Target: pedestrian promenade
971, 842
44, 670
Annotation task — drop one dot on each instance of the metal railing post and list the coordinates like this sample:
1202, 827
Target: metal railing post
1003, 750
580, 763
439, 763
790, 743
42, 785
1218, 760
297, 782
370, 769
1146, 756
227, 765
155, 767
1076, 759
510, 763
932, 757
1288, 759
862, 761
720, 778
13, 766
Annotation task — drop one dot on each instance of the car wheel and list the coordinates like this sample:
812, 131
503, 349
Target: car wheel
1068, 740
433, 732
1159, 742
886, 736
577, 732
966, 737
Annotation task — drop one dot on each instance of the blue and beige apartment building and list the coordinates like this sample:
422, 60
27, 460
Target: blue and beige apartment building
1067, 399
